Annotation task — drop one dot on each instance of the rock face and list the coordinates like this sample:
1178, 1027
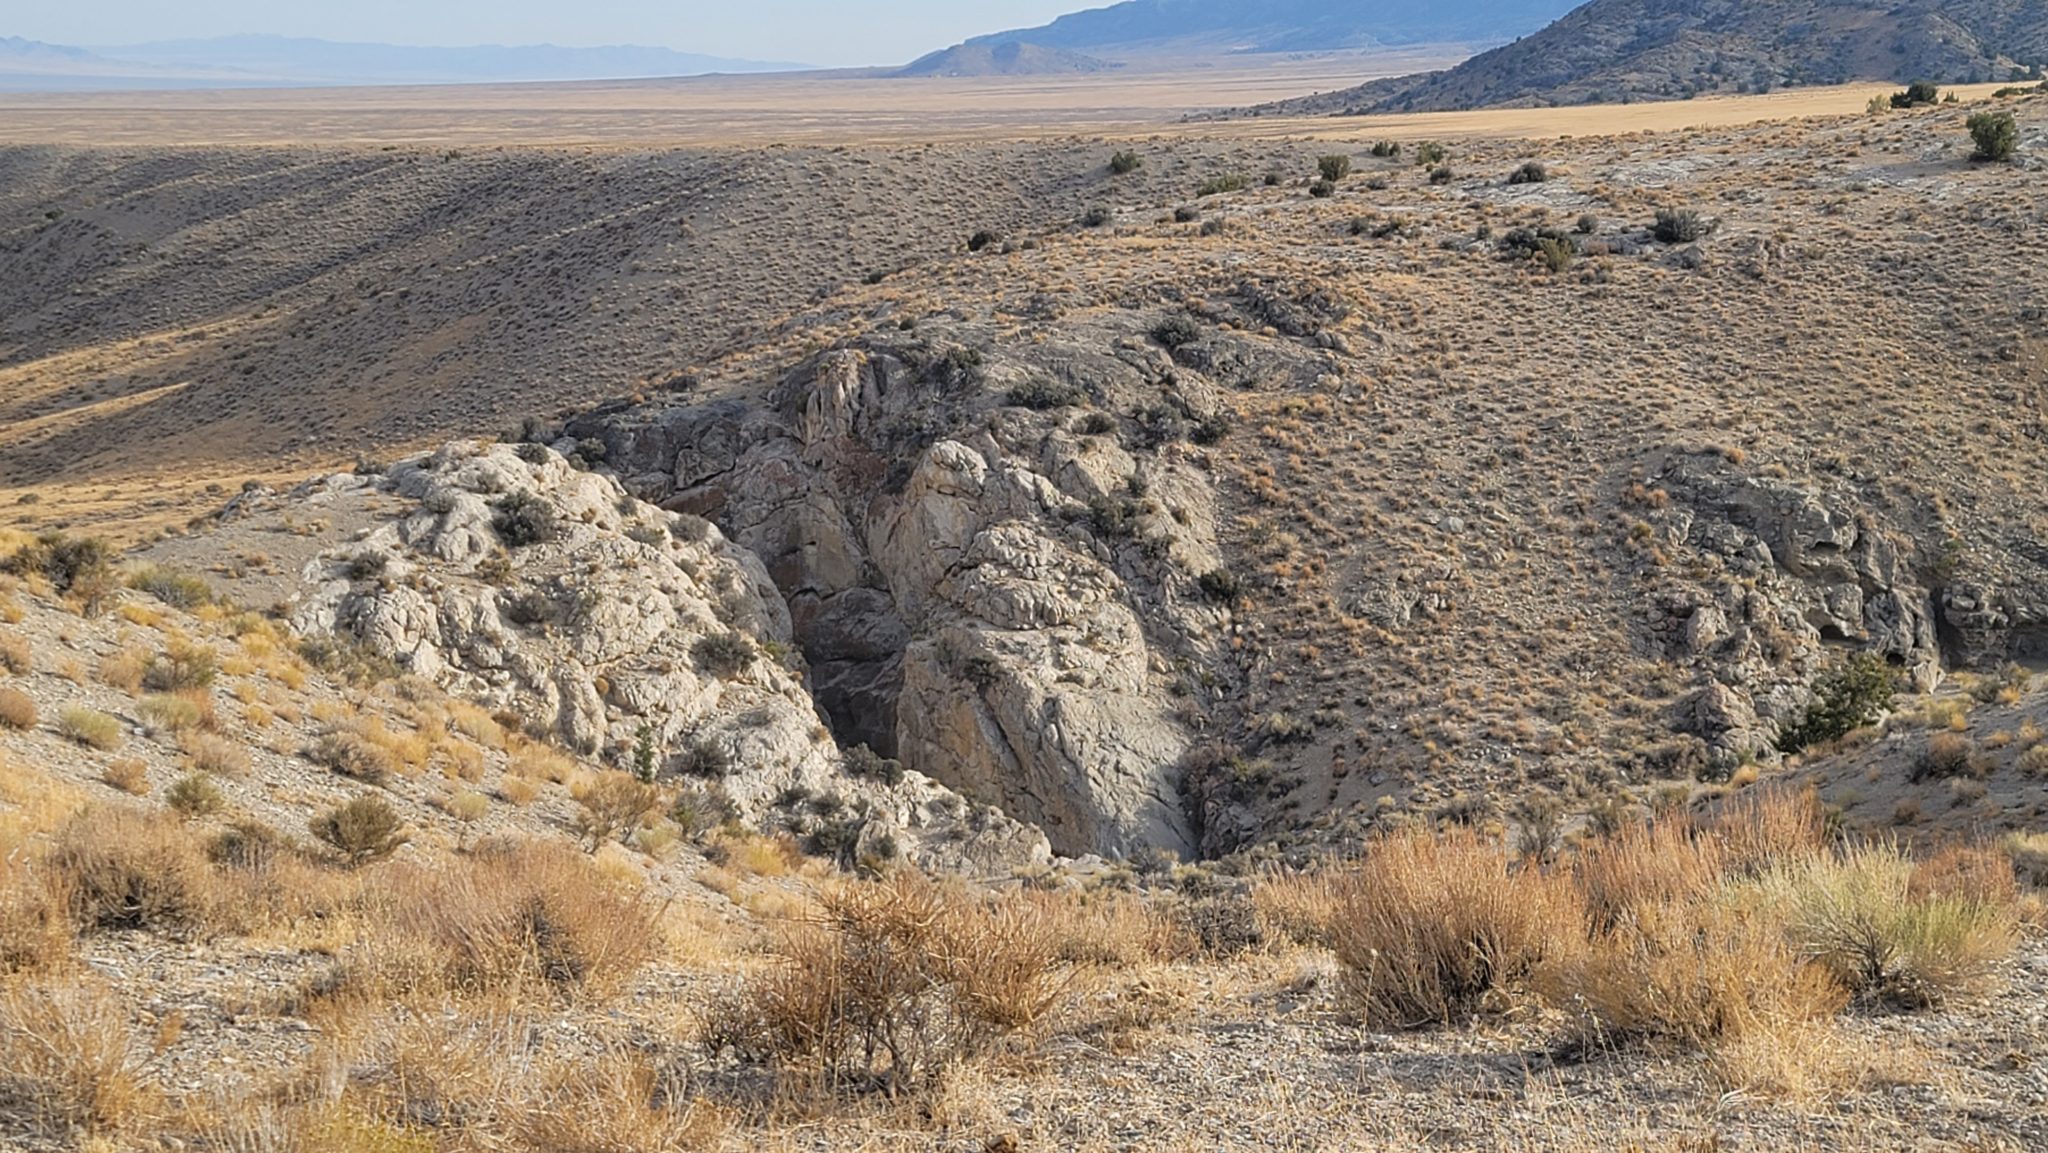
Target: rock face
512, 579
984, 586
1800, 571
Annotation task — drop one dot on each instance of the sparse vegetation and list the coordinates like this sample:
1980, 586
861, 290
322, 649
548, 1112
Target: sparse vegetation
361, 830
17, 709
1919, 94
91, 728
724, 654
1125, 162
1996, 135
1218, 185
1531, 172
1680, 226
1334, 168
1849, 695
522, 519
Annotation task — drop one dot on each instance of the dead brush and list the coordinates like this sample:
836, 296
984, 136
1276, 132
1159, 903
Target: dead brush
126, 870
1433, 927
515, 915
894, 983
1694, 968
35, 920
70, 1063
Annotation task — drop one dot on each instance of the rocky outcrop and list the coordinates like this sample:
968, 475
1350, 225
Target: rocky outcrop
1791, 572
512, 579
991, 567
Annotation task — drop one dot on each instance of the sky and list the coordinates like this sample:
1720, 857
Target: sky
831, 33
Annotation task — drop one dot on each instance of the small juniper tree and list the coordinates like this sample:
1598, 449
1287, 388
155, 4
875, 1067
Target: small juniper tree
1996, 134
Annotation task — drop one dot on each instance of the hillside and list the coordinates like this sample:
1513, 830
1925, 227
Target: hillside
1615, 51
1009, 58
1140, 26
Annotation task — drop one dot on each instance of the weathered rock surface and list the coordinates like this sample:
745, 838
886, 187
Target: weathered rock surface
987, 584
606, 622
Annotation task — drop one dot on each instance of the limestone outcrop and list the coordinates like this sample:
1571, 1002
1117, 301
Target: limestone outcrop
511, 578
992, 568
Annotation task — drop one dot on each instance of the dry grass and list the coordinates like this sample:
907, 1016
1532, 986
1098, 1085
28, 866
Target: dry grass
894, 983
124, 870
17, 710
35, 919
15, 654
1433, 927
530, 916
214, 754
70, 1062
1859, 916
128, 774
124, 670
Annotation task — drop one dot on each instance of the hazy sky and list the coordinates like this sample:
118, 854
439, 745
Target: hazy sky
827, 32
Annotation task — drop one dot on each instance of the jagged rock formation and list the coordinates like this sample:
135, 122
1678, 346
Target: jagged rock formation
997, 594
512, 579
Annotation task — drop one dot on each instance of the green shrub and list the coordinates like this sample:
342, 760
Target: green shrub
1532, 172
1917, 95
705, 758
195, 796
1442, 174
353, 755
867, 764
79, 568
1334, 167
522, 519
1220, 585
1680, 226
363, 830
181, 668
179, 590
1176, 330
1126, 162
1387, 149
1996, 135
1322, 190
1042, 395
1186, 214
725, 654
91, 728
1217, 185
1862, 916
1429, 153
986, 238
1556, 253
1096, 217
1848, 696
1948, 755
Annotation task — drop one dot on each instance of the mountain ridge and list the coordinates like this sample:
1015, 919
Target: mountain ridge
1280, 26
1621, 51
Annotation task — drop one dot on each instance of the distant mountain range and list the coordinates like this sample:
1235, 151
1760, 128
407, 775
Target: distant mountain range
1613, 51
1011, 58
1208, 26
247, 61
